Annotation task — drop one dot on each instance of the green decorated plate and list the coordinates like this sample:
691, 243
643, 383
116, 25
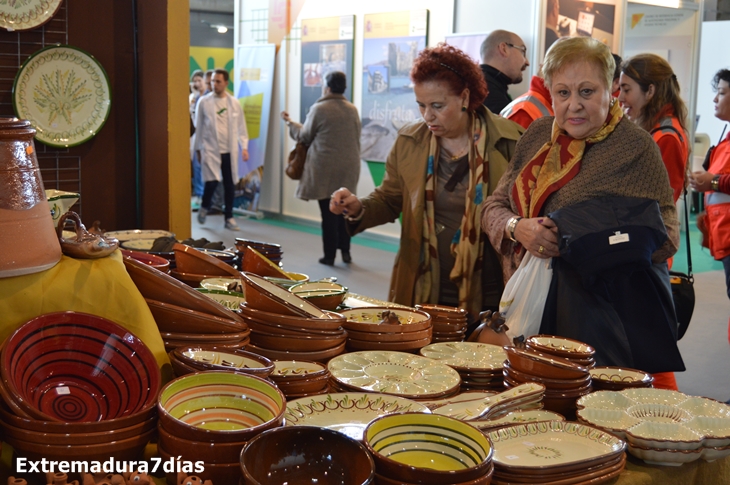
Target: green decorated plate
27, 14
65, 94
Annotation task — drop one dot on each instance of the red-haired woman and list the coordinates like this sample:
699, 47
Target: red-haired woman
437, 175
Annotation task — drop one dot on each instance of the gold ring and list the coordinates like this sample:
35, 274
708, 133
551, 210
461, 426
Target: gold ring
541, 249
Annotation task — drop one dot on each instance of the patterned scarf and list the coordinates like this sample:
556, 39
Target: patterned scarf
555, 164
468, 242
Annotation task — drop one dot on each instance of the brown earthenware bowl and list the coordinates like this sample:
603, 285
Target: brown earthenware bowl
177, 319
263, 327
321, 455
539, 364
522, 377
299, 343
255, 262
332, 321
209, 452
157, 262
215, 358
566, 348
316, 356
192, 261
223, 473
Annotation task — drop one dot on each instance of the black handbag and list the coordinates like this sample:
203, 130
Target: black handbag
683, 290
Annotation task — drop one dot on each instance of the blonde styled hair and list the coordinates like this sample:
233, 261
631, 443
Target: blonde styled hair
569, 50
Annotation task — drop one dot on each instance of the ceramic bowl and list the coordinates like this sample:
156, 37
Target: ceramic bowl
145, 245
199, 450
316, 356
12, 427
59, 202
404, 345
297, 369
151, 260
193, 280
158, 286
295, 454
483, 480
294, 278
121, 450
443, 312
217, 406
70, 366
258, 264
297, 343
214, 358
263, 327
229, 299
368, 319
388, 337
427, 448
674, 436
205, 338
265, 295
564, 384
222, 284
330, 321
538, 364
190, 260
171, 345
172, 318
618, 378
303, 386
326, 295
560, 346
261, 246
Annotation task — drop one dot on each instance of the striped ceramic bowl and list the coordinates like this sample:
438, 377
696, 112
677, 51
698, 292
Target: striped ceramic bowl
427, 448
220, 406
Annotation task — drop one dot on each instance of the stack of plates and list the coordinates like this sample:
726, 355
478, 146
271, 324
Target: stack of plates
564, 381
397, 373
449, 323
271, 251
186, 317
287, 327
479, 365
573, 350
385, 328
299, 378
194, 265
619, 378
555, 452
661, 427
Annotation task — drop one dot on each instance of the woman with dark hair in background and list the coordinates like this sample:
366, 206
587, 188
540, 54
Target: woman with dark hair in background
650, 97
332, 132
437, 175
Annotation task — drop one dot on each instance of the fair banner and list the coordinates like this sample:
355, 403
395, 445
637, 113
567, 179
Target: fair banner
391, 42
327, 45
254, 78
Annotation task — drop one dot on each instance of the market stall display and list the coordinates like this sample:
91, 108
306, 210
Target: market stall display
299, 378
387, 328
479, 365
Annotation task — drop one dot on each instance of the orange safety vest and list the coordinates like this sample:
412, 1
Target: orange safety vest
675, 162
534, 104
717, 205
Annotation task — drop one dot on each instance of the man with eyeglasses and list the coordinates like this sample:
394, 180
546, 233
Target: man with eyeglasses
504, 58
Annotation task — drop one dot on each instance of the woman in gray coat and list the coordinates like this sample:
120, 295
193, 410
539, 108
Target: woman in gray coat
332, 131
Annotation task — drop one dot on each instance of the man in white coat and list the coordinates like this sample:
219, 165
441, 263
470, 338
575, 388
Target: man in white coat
220, 130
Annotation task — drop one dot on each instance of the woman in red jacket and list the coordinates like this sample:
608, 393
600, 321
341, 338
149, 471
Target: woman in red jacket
650, 97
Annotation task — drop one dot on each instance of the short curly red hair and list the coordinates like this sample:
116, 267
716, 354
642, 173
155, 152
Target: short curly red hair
448, 64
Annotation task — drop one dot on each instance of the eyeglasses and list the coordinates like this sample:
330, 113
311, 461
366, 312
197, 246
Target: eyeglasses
520, 48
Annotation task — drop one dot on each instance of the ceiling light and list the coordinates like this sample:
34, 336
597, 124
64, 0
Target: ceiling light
222, 29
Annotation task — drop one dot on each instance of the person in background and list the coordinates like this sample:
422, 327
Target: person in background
332, 132
588, 150
436, 176
504, 58
616, 86
220, 133
535, 103
551, 23
650, 98
197, 87
209, 81
715, 182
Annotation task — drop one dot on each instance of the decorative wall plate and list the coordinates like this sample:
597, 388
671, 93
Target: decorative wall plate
65, 93
27, 14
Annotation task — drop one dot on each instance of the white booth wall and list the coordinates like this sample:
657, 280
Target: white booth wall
713, 57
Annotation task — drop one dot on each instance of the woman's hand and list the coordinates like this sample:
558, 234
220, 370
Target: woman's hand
345, 202
285, 116
539, 235
700, 181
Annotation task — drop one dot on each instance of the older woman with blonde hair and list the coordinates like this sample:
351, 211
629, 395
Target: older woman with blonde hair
588, 189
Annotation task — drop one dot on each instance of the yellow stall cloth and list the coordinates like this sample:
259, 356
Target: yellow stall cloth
97, 286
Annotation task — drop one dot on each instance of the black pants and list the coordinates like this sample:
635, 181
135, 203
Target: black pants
334, 232
228, 187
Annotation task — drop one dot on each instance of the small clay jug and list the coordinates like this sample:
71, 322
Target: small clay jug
28, 242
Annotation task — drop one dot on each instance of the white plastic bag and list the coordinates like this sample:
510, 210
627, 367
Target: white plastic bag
523, 299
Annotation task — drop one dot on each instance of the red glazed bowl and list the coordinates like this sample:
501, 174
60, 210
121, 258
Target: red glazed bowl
157, 262
76, 367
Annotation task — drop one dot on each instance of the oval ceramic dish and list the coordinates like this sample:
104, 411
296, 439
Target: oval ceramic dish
348, 413
370, 319
267, 296
395, 373
132, 234
212, 358
560, 346
466, 356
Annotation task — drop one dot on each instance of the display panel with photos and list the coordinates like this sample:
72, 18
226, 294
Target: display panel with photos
327, 45
580, 18
391, 42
